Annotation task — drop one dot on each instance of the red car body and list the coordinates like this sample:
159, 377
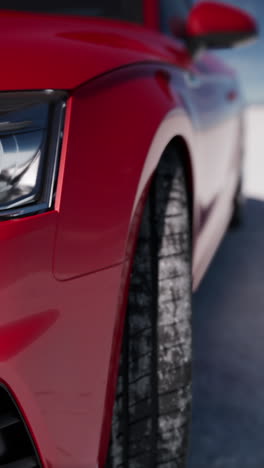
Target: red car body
65, 273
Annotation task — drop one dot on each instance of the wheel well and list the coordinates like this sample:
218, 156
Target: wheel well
179, 145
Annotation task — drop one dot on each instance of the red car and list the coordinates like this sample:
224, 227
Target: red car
120, 167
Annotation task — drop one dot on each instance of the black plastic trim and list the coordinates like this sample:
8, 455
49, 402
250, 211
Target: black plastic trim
28, 461
220, 40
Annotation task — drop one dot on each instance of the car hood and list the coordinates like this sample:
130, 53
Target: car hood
41, 51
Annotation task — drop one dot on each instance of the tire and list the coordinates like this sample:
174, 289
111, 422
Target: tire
153, 400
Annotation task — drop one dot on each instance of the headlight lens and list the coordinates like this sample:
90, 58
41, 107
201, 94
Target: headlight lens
30, 135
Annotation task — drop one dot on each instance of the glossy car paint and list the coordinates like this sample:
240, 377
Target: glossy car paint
65, 274
95, 236
227, 19
65, 52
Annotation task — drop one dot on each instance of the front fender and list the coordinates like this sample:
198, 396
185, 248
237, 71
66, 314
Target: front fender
117, 128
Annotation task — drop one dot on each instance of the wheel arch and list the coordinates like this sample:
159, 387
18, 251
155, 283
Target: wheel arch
179, 144
183, 143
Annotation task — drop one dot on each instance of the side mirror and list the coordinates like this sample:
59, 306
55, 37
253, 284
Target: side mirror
215, 25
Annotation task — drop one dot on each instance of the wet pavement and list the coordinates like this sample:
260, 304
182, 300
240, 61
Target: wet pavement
228, 406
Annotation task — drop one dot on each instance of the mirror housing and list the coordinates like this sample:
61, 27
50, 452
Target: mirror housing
212, 25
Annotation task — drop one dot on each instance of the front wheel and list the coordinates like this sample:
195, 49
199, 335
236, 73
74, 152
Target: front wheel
153, 399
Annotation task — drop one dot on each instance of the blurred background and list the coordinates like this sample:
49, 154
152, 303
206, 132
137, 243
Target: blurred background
228, 407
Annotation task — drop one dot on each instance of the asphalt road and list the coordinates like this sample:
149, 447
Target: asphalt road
228, 406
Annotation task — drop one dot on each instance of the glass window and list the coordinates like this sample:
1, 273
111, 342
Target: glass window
129, 10
173, 13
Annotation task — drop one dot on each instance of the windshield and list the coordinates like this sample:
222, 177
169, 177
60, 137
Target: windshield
172, 11
128, 10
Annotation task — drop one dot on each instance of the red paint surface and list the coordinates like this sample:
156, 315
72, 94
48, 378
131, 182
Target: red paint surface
213, 17
62, 52
16, 336
151, 14
65, 274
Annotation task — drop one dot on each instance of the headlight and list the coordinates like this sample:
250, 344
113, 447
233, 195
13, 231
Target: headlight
31, 126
